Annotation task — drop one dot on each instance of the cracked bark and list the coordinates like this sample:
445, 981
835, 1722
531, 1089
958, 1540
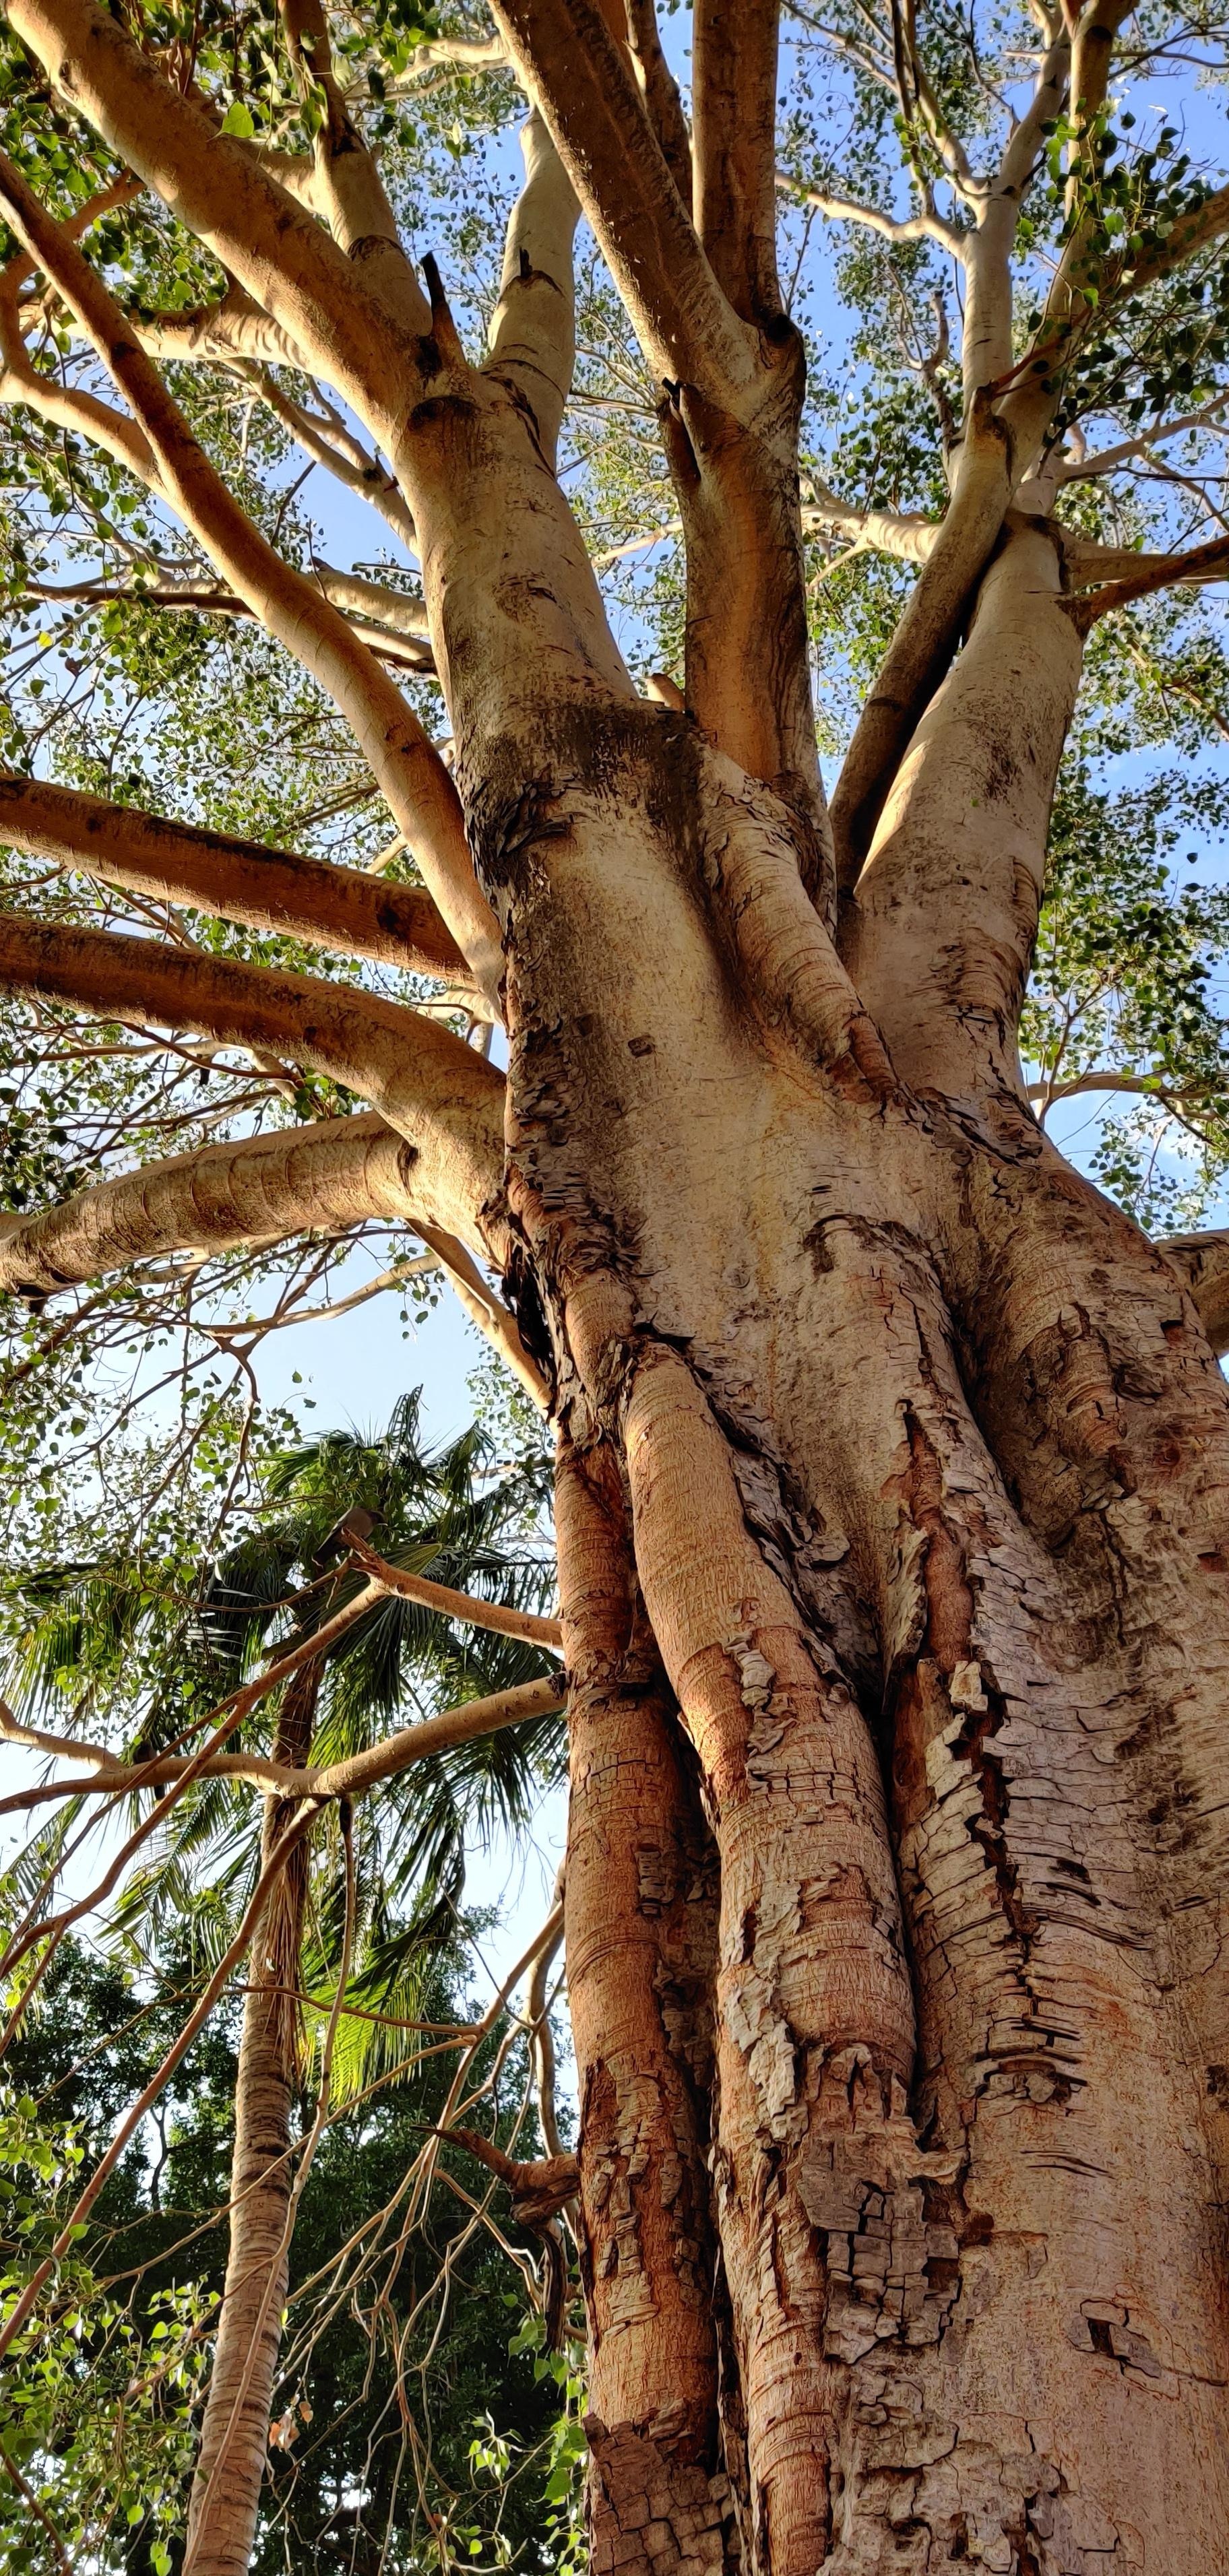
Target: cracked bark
898, 1850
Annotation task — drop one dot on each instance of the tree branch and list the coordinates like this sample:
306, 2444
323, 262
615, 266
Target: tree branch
400, 652
927, 226
227, 195
1199, 564
233, 328
351, 1778
1089, 469
926, 637
500, 1616
660, 93
533, 327
319, 1179
734, 132
492, 1318
443, 1097
1202, 1263
986, 340
586, 87
329, 907
908, 535
400, 753
349, 192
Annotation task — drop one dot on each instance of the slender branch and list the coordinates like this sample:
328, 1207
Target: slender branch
1200, 564
1087, 469
497, 1615
133, 2117
39, 2511
929, 225
487, 1311
399, 651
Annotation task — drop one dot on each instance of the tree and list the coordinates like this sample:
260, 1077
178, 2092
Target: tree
371, 1970
892, 1455
93, 2412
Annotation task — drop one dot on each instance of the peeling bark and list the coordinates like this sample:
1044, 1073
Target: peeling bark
639, 1866
894, 1463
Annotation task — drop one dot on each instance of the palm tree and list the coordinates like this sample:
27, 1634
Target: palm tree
375, 1891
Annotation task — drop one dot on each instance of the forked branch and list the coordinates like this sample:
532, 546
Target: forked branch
438, 1093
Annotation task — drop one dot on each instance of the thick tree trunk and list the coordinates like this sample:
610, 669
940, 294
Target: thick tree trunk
234, 2445
927, 1463
894, 1463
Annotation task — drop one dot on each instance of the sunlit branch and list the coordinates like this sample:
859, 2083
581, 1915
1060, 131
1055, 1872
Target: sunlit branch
587, 91
500, 1616
440, 1094
269, 890
323, 1179
352, 1777
661, 93
1199, 564
349, 191
402, 758
926, 226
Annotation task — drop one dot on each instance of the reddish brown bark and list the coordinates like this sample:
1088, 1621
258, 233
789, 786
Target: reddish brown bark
640, 1930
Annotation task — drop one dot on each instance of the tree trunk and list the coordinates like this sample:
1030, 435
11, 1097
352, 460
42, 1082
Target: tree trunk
234, 2444
927, 1463
893, 1486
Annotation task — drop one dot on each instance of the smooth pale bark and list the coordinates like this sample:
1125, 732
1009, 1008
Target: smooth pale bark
940, 932
441, 1097
324, 1178
236, 880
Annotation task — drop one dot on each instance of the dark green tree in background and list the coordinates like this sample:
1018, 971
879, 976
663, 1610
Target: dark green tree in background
133, 2310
